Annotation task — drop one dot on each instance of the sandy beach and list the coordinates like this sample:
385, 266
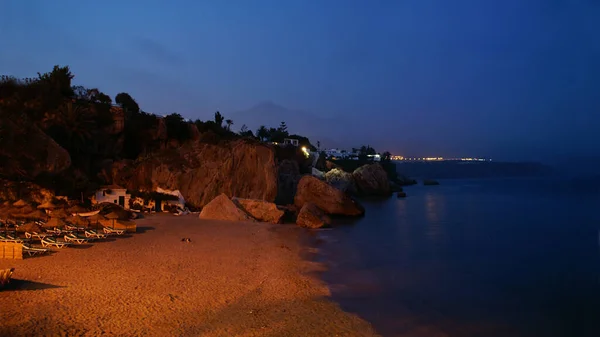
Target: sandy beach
232, 279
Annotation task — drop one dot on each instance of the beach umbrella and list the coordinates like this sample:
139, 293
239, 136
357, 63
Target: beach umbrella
6, 203
54, 222
79, 221
37, 215
19, 203
59, 213
77, 209
96, 218
26, 209
47, 205
113, 216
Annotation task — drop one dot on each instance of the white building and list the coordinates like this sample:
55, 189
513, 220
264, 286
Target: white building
114, 194
180, 202
336, 153
290, 141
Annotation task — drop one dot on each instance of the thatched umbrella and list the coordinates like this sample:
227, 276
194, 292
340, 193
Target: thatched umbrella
54, 222
47, 205
37, 215
6, 203
20, 203
114, 216
96, 218
77, 209
26, 209
79, 221
59, 213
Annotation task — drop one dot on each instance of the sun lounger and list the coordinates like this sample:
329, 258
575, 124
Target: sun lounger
35, 235
93, 234
76, 239
47, 242
54, 231
112, 231
31, 251
5, 275
10, 238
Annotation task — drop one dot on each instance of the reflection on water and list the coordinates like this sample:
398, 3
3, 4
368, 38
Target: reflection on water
463, 260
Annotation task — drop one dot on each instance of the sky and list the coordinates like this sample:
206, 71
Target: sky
510, 79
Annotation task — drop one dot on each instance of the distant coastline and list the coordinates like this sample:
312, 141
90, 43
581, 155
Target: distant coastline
463, 170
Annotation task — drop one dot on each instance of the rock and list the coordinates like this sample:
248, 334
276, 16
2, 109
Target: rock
430, 182
260, 210
201, 171
223, 208
26, 151
401, 194
372, 180
394, 187
317, 173
311, 216
287, 181
331, 165
321, 162
326, 197
403, 180
341, 180
30, 192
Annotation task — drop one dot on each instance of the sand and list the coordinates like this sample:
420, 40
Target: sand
232, 279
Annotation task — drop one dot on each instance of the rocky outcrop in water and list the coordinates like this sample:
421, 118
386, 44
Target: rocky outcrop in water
310, 216
341, 180
372, 180
326, 197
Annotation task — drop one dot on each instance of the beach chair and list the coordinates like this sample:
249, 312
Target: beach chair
54, 231
51, 242
93, 234
35, 235
5, 275
10, 238
31, 251
112, 231
76, 239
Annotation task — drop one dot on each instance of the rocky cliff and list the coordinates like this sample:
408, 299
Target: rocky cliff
26, 151
201, 171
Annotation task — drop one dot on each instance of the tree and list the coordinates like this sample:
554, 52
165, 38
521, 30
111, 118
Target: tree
386, 157
282, 128
262, 133
177, 127
71, 125
229, 123
128, 104
245, 132
318, 145
219, 119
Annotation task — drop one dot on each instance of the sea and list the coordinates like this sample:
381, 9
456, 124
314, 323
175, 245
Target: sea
472, 257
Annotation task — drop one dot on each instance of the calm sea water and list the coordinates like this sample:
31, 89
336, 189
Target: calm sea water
508, 257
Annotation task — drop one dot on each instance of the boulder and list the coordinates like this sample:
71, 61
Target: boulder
430, 182
260, 210
401, 194
331, 165
326, 197
395, 187
202, 171
317, 173
223, 208
26, 151
403, 180
311, 216
372, 180
288, 176
341, 180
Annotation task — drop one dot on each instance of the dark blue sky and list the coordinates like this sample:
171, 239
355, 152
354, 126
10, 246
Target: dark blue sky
512, 79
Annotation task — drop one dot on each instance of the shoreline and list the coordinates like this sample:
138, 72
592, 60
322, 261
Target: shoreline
232, 279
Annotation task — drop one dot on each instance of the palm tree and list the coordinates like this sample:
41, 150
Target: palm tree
229, 123
74, 122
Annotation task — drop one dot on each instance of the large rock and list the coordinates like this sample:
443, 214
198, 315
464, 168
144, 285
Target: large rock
372, 180
260, 210
30, 192
201, 171
223, 208
26, 151
311, 216
326, 197
341, 180
288, 178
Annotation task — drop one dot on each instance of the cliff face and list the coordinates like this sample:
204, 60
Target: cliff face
26, 151
203, 171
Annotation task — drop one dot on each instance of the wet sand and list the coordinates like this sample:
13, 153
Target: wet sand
232, 279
